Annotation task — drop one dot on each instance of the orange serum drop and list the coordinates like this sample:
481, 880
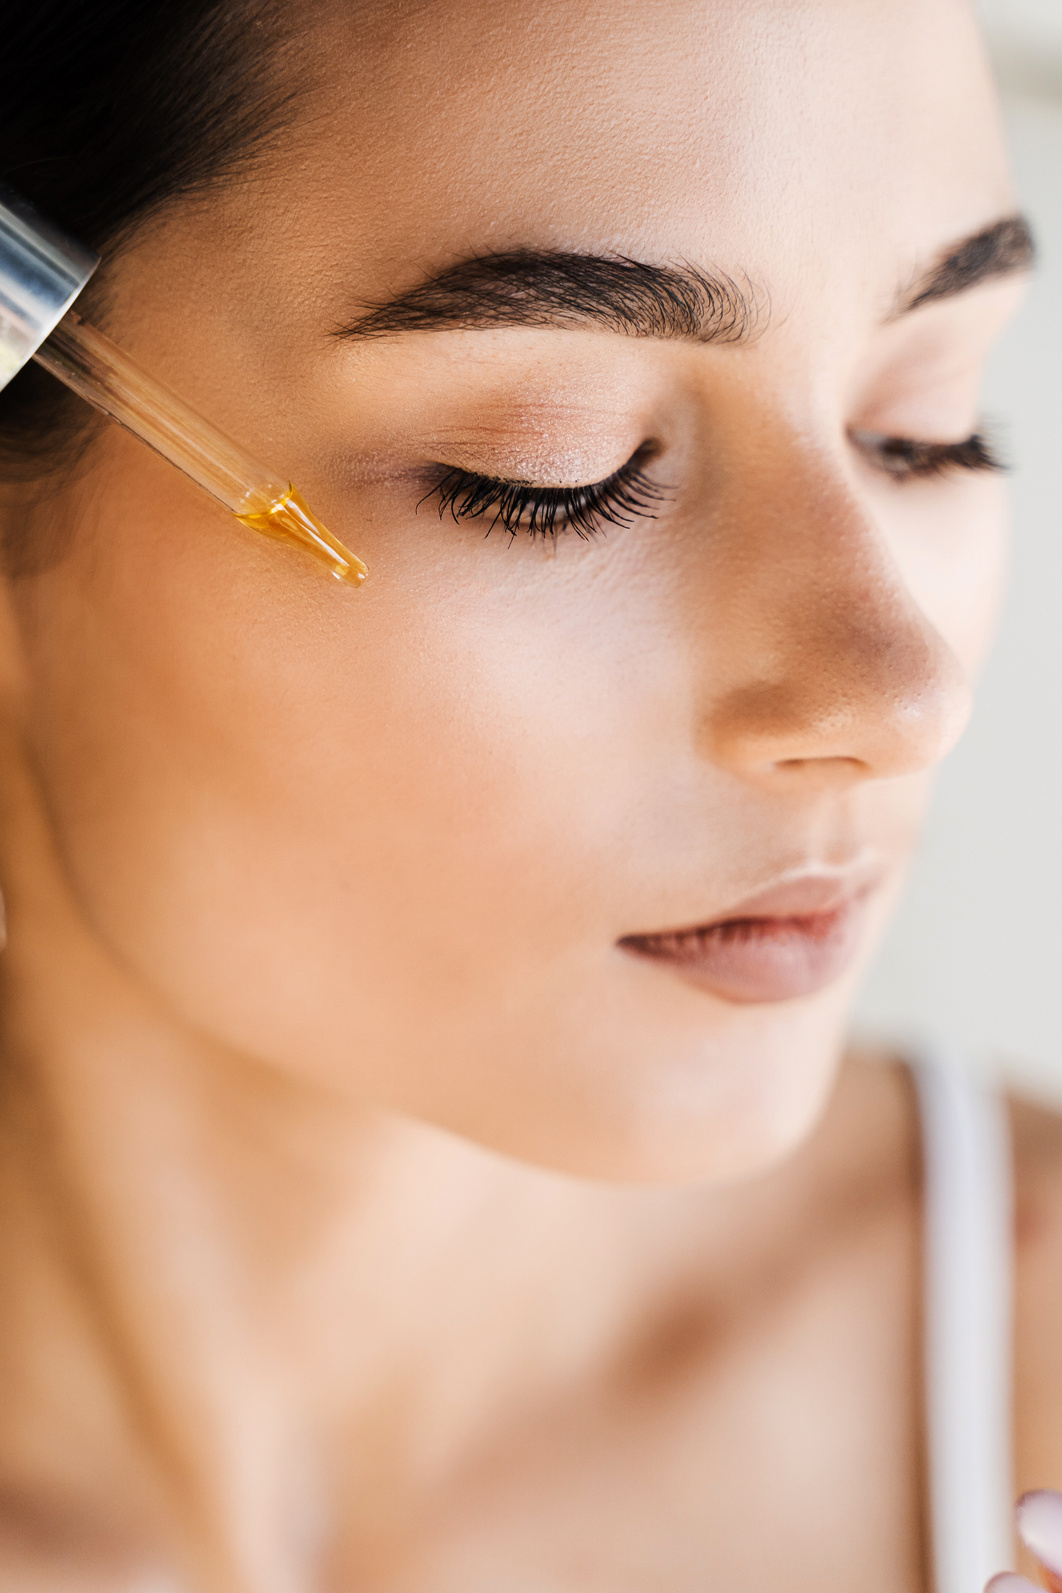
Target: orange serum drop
290, 519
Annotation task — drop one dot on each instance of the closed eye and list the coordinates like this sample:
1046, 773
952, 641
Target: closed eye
629, 494
626, 495
906, 458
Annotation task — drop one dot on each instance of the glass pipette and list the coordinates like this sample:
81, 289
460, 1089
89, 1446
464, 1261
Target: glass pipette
42, 271
87, 361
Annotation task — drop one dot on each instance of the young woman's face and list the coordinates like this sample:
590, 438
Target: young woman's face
398, 839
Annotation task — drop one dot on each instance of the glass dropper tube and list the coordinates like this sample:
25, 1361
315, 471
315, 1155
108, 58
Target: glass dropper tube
101, 372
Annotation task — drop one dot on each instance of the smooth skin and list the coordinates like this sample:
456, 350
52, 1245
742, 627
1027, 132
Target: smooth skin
374, 1221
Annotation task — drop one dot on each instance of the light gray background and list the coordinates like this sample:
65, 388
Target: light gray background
976, 950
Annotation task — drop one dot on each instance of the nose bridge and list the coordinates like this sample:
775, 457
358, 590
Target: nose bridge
828, 657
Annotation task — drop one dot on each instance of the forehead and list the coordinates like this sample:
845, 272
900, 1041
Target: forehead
798, 141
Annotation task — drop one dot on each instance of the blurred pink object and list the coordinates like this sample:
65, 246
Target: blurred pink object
1040, 1527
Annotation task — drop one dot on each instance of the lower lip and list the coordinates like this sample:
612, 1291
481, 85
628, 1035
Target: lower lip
760, 959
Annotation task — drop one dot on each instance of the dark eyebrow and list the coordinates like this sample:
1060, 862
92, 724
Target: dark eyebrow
558, 288
1001, 250
554, 288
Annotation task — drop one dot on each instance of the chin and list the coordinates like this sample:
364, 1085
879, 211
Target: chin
736, 1117
701, 1089
714, 1094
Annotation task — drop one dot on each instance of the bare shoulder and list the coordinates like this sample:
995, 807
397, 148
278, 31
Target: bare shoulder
1037, 1139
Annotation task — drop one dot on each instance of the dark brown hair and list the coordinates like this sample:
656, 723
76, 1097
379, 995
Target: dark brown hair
110, 110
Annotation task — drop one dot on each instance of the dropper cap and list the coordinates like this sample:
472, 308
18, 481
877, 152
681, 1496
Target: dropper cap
42, 271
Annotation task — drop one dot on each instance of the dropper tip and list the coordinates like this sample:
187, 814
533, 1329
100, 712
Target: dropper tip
351, 574
290, 519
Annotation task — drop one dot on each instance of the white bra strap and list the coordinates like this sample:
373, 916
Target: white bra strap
968, 1306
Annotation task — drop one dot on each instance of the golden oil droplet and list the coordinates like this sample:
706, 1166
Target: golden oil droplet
290, 519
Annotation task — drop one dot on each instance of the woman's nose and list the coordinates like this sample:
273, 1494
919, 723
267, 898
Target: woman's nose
829, 666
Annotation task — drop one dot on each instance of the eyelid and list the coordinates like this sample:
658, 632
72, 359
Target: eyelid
545, 467
919, 366
564, 444
545, 476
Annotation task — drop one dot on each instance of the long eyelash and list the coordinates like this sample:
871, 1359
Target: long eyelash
904, 457
626, 495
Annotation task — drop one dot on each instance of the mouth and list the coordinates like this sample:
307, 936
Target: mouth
789, 941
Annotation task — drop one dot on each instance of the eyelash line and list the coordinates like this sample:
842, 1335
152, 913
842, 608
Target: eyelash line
905, 458
627, 495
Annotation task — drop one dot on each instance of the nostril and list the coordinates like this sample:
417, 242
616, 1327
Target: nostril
855, 767
861, 696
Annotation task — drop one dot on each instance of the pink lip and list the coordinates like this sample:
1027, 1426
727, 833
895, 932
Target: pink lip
787, 941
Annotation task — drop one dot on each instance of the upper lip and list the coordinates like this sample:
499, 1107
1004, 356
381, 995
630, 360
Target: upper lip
809, 894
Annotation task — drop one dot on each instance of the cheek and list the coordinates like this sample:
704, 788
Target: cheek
275, 792
950, 541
